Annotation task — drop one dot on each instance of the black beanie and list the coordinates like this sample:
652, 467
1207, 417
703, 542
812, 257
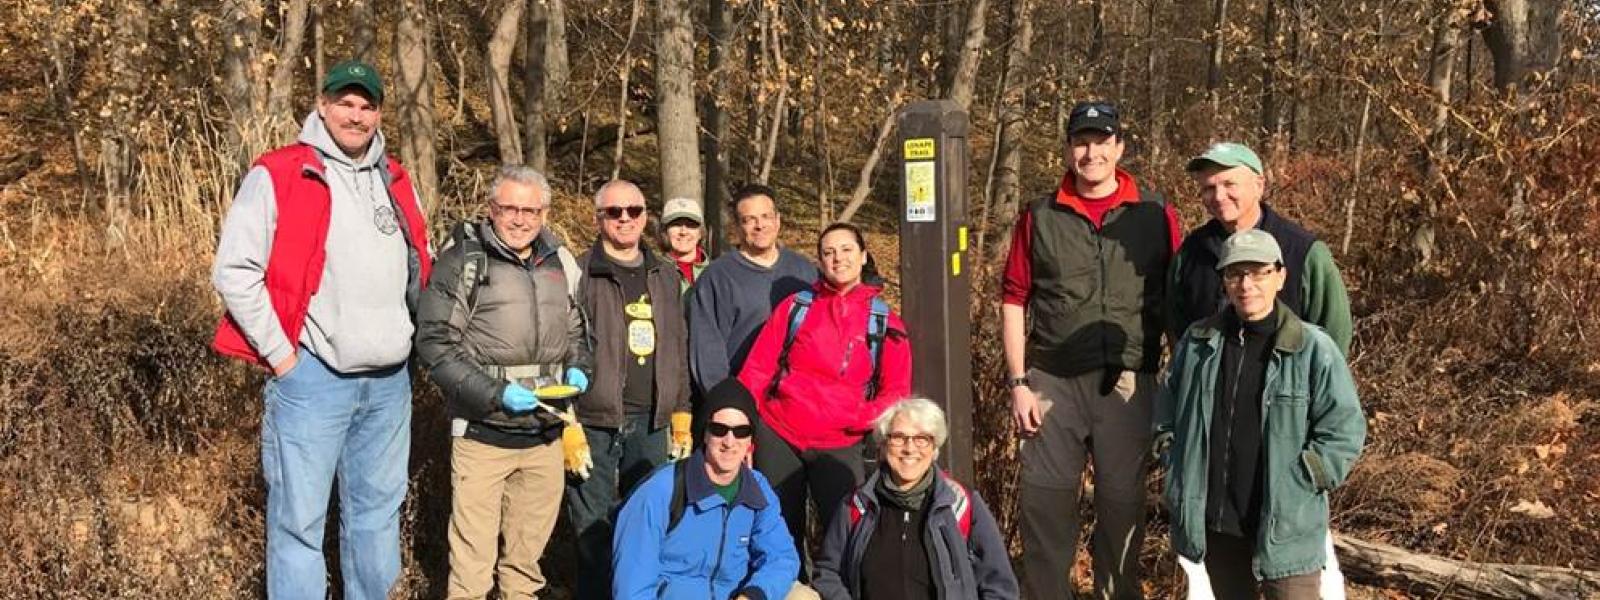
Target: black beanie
729, 394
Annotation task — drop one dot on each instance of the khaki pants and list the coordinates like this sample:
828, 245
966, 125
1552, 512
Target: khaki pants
501, 492
1080, 421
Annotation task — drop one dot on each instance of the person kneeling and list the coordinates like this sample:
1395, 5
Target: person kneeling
1253, 454
708, 522
911, 531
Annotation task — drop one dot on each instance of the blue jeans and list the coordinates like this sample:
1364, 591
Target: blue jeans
622, 458
317, 423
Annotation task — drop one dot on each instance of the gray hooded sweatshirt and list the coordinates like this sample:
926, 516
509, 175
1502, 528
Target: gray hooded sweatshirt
358, 319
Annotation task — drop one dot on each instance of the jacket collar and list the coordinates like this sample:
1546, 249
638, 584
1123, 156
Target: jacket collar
1291, 336
600, 264
1214, 233
944, 496
1067, 193
544, 245
700, 492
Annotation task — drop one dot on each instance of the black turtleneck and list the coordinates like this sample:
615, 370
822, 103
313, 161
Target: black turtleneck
1233, 503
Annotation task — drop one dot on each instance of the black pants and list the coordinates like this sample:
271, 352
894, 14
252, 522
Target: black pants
826, 477
1228, 565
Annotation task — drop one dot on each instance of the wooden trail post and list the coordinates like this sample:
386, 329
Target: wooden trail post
935, 284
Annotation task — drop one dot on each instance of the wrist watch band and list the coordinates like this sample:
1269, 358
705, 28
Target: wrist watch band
1017, 381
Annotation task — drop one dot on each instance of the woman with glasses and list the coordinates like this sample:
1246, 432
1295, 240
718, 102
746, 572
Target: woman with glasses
827, 363
911, 531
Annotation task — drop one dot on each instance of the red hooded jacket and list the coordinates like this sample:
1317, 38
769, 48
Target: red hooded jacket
821, 402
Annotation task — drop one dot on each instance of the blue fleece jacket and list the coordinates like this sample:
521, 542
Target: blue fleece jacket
717, 550
728, 305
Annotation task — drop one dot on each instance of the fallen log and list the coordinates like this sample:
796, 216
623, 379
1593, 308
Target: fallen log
1426, 576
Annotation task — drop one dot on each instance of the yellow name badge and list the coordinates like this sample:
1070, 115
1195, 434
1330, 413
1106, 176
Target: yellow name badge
641, 330
638, 310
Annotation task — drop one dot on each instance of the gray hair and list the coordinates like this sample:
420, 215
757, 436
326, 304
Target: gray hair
600, 194
922, 412
524, 175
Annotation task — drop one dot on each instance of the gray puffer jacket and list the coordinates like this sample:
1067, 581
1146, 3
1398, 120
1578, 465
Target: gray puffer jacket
521, 315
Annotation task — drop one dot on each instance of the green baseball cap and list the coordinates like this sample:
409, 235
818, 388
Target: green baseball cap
354, 73
1250, 246
1228, 155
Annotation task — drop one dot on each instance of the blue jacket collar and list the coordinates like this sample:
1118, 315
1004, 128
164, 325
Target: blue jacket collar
700, 492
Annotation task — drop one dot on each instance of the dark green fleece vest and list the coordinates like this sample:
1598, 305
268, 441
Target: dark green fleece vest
1097, 294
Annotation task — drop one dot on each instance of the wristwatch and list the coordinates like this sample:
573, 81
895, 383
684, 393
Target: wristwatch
1016, 382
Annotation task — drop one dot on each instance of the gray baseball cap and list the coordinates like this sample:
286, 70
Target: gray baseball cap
1250, 246
682, 208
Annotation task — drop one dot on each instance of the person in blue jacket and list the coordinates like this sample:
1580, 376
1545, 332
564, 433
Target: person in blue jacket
707, 526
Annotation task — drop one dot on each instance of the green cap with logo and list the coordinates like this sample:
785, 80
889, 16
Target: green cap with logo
1227, 155
354, 73
1250, 246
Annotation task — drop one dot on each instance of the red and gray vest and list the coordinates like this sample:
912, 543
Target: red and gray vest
1097, 294
299, 242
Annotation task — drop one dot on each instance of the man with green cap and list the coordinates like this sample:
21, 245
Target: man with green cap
1257, 423
320, 261
1232, 183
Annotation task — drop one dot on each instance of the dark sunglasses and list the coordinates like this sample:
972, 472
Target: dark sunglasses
721, 429
615, 212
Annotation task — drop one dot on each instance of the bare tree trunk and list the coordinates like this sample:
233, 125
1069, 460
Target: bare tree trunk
1447, 38
863, 187
822, 40
294, 33
241, 27
966, 73
535, 143
1353, 193
1214, 52
557, 69
1523, 36
677, 125
1271, 52
413, 99
719, 22
364, 30
501, 43
1155, 92
119, 142
779, 108
622, 91
1013, 112
319, 62
1425, 576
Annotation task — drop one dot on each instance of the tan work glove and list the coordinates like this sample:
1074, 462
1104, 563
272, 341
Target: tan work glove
681, 442
575, 450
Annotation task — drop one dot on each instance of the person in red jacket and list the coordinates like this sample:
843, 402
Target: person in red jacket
819, 385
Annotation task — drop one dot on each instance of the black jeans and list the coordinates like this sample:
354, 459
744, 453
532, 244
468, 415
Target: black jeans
1228, 565
622, 458
826, 477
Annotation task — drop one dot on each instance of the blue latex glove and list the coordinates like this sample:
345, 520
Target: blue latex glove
576, 378
518, 399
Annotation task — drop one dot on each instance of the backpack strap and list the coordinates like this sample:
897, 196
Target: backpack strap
877, 330
474, 266
569, 267
797, 315
680, 494
962, 508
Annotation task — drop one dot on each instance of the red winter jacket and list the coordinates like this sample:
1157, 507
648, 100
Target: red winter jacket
299, 240
821, 402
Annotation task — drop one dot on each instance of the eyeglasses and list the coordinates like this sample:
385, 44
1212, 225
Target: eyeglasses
920, 442
1256, 275
721, 429
521, 211
686, 223
616, 212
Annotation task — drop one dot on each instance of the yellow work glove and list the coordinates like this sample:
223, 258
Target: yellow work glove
575, 450
682, 441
